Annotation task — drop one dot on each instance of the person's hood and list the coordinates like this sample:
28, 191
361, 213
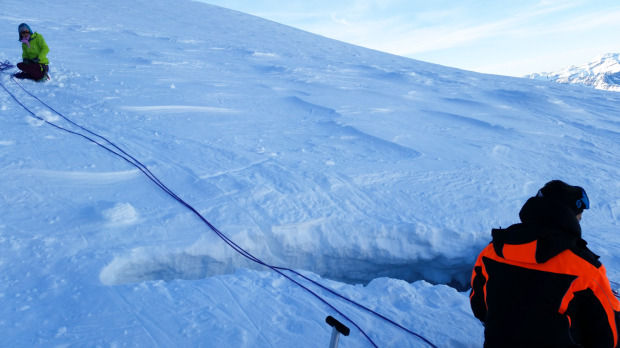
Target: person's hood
550, 213
20, 27
547, 228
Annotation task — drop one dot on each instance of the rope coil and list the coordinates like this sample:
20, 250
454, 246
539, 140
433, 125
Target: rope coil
6, 65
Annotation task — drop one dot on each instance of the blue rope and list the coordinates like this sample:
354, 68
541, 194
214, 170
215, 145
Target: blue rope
136, 163
6, 65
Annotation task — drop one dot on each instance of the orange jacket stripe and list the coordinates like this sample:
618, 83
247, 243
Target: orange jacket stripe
523, 253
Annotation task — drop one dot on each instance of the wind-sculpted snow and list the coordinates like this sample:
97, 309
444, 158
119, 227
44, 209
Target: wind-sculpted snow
375, 175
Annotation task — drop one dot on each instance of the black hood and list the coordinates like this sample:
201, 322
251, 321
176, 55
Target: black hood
546, 212
552, 225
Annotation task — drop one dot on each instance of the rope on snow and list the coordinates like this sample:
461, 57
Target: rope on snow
114, 149
6, 65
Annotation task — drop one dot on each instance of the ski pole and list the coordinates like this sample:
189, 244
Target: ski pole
338, 328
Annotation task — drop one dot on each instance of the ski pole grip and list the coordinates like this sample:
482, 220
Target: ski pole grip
340, 327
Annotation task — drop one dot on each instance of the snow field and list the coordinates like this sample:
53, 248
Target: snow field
376, 175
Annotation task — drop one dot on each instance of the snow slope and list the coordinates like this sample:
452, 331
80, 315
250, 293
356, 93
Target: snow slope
602, 72
375, 175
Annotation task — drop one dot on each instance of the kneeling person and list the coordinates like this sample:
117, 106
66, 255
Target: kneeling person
35, 64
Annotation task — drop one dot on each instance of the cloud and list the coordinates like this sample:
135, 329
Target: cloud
342, 21
589, 21
458, 26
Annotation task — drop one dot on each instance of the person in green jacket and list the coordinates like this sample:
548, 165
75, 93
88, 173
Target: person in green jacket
35, 64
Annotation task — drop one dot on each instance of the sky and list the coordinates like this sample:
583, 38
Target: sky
512, 38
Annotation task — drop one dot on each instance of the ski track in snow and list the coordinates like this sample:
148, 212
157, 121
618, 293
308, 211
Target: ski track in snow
83, 178
171, 109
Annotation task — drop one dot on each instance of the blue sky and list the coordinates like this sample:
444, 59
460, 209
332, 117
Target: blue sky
499, 37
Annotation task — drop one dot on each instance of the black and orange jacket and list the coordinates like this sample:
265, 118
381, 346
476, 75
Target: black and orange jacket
538, 285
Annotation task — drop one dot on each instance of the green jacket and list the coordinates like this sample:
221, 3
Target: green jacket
38, 49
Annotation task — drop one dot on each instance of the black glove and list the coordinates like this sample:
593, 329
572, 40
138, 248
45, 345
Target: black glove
36, 60
27, 61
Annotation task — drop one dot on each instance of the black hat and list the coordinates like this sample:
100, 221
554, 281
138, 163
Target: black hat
574, 197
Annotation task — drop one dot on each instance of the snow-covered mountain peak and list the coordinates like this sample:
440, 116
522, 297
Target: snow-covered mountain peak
603, 72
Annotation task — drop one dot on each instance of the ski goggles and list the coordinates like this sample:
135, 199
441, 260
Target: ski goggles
583, 202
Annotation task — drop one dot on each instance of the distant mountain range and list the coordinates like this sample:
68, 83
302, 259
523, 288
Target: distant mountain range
601, 73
